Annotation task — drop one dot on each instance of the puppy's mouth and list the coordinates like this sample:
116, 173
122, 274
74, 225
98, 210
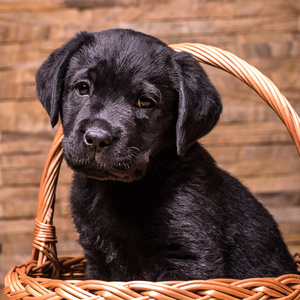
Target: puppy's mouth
127, 165
122, 171
119, 171
115, 174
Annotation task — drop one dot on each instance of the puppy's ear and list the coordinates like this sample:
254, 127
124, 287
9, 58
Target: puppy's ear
50, 76
199, 106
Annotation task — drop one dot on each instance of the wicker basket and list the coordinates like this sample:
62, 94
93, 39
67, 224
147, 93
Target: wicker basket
46, 276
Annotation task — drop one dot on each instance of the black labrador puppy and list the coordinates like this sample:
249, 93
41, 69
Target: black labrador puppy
148, 201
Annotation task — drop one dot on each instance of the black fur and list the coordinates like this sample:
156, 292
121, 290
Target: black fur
148, 201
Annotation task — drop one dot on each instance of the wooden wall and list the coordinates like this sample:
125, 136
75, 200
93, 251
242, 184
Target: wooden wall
250, 141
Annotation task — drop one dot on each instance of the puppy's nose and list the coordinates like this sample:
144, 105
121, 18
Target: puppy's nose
97, 138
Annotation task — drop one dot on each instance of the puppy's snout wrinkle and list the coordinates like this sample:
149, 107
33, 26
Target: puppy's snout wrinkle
97, 139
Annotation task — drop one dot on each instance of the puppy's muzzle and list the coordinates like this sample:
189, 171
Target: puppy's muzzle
106, 153
97, 138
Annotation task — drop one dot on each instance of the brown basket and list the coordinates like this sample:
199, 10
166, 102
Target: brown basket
46, 276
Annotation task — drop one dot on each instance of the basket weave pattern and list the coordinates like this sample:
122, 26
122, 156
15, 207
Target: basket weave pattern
46, 276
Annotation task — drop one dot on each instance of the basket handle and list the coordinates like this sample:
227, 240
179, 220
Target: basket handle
44, 238
261, 84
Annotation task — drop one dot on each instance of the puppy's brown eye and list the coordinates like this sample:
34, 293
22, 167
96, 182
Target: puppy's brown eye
145, 102
83, 88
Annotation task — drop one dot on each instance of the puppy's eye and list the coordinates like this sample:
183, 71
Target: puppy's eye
83, 88
145, 102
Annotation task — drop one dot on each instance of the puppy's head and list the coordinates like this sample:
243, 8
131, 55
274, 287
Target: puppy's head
124, 97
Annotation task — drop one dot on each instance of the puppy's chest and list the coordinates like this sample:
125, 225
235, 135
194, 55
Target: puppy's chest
118, 220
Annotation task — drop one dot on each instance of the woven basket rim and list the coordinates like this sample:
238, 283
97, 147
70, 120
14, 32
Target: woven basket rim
20, 284
29, 279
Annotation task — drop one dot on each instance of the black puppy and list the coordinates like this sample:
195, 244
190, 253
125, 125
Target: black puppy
148, 201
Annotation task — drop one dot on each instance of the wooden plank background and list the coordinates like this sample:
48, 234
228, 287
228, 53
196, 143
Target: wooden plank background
250, 141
